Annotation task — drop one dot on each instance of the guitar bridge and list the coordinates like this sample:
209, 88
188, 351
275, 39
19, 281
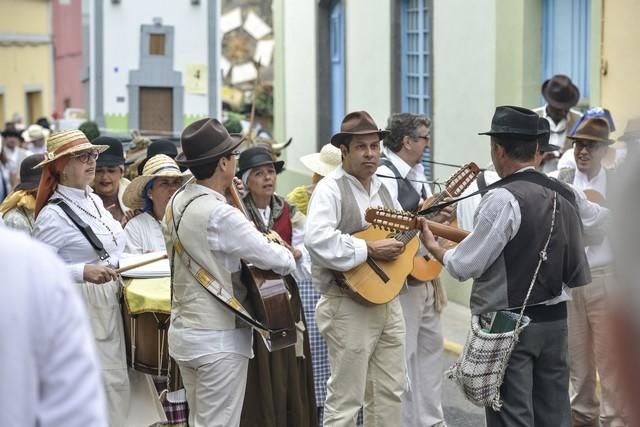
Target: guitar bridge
376, 268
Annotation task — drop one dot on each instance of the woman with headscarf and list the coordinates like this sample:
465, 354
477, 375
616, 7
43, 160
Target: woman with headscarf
18, 208
280, 388
73, 221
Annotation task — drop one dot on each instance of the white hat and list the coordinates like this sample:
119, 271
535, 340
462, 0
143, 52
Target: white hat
329, 158
35, 132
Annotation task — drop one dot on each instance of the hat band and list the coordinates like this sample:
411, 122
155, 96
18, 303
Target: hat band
52, 154
161, 168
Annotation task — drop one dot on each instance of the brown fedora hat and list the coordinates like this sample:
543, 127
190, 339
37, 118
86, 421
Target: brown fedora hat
357, 123
631, 131
595, 129
560, 92
204, 141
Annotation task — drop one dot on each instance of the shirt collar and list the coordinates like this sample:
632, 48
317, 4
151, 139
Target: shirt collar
74, 193
375, 181
402, 166
555, 128
194, 186
600, 175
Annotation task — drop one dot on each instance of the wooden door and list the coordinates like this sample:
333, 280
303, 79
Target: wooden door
34, 107
156, 110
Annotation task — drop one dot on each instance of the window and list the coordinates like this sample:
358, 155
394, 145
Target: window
566, 37
156, 44
415, 42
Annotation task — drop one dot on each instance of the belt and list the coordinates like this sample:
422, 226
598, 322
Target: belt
544, 313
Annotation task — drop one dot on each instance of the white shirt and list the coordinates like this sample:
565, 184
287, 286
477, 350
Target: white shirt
328, 247
49, 369
55, 228
231, 237
466, 209
414, 174
144, 234
558, 130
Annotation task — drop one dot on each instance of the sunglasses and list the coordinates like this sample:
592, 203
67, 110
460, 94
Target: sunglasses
84, 157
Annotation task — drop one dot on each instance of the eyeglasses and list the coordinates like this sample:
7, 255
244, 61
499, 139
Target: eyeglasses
84, 157
590, 146
426, 138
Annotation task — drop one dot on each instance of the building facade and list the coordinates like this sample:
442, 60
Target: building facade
26, 74
67, 54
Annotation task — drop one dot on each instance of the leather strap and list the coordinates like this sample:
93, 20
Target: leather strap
83, 227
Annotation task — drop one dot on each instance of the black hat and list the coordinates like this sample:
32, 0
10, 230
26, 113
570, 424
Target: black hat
560, 92
514, 121
8, 133
543, 141
159, 146
112, 156
257, 156
204, 141
30, 177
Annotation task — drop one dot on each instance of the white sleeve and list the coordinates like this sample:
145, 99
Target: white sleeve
497, 221
328, 247
135, 236
595, 218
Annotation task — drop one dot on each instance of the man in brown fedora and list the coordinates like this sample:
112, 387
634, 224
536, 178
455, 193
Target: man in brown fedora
561, 96
587, 311
210, 344
365, 342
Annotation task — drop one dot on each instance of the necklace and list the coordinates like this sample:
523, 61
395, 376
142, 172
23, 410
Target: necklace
99, 217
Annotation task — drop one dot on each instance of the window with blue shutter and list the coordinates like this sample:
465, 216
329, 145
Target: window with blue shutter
415, 44
566, 36
336, 52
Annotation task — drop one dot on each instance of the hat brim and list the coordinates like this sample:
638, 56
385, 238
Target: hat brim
314, 163
232, 143
515, 134
27, 138
278, 164
28, 185
591, 139
548, 148
81, 147
109, 160
132, 197
336, 140
561, 105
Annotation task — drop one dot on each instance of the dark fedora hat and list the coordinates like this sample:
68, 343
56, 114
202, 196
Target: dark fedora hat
257, 156
30, 177
560, 92
631, 131
543, 139
204, 141
112, 156
357, 123
159, 146
8, 133
514, 121
595, 129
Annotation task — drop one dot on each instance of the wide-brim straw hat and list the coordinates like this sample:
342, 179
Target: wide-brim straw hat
67, 142
322, 163
35, 132
157, 166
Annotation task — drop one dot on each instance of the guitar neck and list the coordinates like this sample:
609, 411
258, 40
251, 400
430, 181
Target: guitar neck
447, 232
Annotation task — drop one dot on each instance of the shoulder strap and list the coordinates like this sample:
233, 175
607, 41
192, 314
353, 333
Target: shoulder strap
481, 181
83, 227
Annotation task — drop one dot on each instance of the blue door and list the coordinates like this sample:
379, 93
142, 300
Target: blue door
566, 36
336, 50
415, 44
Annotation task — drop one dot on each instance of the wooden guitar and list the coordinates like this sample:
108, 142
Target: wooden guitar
268, 295
425, 269
378, 282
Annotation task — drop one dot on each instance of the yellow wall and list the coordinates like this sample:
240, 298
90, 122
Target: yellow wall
25, 65
620, 89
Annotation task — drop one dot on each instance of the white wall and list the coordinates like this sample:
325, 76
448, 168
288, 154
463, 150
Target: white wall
122, 23
368, 53
464, 81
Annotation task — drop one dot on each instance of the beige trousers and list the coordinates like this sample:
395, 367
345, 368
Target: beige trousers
422, 404
367, 359
215, 388
589, 349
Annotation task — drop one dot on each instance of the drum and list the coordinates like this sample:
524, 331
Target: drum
146, 313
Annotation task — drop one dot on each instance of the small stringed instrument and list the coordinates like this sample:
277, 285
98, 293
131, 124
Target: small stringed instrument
426, 269
595, 197
376, 281
269, 295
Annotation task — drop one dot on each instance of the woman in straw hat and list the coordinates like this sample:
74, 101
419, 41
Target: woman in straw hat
280, 387
320, 164
18, 208
150, 192
68, 168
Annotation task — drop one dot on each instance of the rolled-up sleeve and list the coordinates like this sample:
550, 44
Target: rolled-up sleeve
329, 247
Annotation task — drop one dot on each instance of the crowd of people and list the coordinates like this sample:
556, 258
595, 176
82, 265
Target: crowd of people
212, 206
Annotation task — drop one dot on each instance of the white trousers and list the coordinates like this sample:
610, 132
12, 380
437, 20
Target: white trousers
367, 358
215, 387
422, 404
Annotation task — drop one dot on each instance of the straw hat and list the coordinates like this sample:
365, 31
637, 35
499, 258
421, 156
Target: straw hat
67, 142
35, 132
329, 158
158, 165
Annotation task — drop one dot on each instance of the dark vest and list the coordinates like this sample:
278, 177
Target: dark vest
506, 282
408, 197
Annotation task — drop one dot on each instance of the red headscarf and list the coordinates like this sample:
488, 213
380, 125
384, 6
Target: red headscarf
49, 181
